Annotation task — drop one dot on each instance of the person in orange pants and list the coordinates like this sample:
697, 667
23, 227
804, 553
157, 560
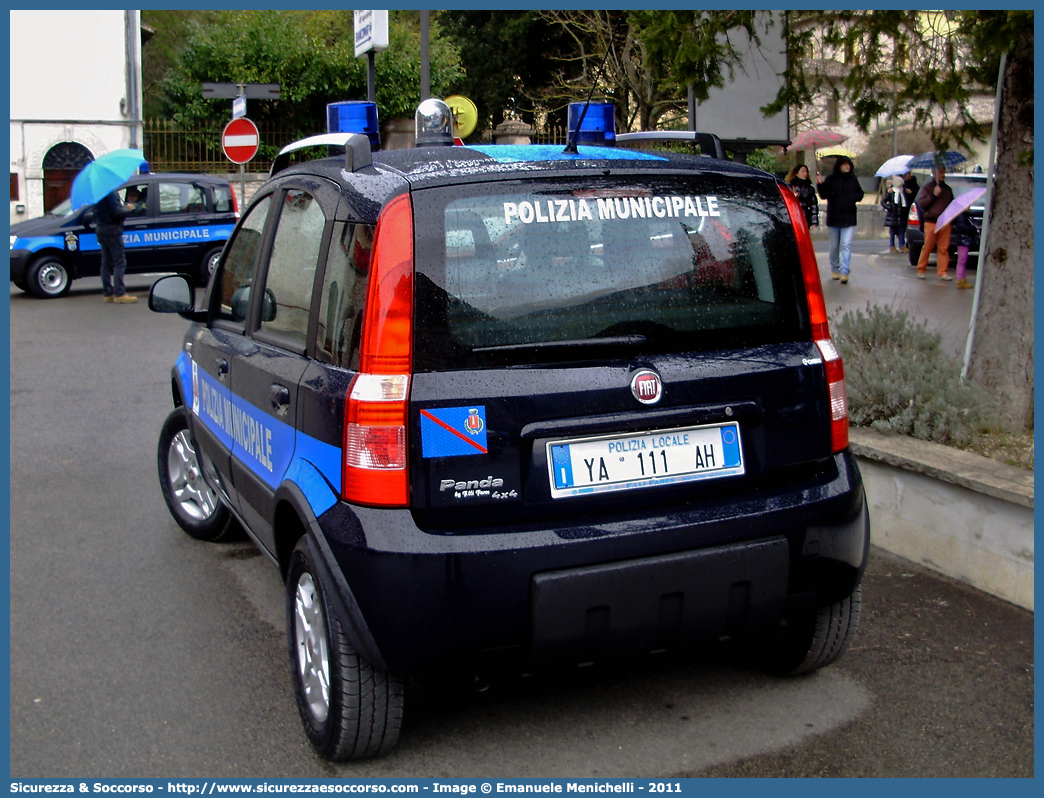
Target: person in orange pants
932, 200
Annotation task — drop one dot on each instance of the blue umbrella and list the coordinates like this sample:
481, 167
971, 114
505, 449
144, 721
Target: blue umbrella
930, 160
104, 175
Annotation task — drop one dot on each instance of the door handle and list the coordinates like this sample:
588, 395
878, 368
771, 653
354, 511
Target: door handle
222, 368
280, 398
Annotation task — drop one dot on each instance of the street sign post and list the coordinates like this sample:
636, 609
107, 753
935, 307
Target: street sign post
239, 141
371, 36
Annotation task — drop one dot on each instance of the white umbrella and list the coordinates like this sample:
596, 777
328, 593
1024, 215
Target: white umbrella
894, 166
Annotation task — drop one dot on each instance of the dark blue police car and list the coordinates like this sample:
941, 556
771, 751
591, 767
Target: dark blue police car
180, 225
512, 407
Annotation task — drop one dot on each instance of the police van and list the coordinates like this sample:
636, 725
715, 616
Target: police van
179, 224
514, 407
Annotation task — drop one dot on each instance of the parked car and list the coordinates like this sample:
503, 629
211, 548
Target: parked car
496, 407
181, 225
961, 184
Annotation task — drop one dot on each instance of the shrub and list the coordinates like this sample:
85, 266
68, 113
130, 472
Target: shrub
900, 380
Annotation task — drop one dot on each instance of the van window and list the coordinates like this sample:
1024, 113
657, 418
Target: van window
514, 271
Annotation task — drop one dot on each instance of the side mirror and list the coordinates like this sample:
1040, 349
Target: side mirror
172, 294
240, 302
268, 306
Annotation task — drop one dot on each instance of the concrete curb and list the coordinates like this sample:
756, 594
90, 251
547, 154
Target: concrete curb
958, 513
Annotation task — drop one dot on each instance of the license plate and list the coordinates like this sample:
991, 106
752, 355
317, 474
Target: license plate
584, 466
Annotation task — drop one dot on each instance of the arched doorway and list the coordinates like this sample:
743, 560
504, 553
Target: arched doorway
61, 165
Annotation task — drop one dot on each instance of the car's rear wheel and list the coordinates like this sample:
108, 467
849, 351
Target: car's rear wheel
207, 266
21, 285
915, 253
813, 638
49, 277
350, 709
192, 501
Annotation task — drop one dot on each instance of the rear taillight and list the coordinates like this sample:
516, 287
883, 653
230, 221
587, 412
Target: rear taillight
832, 363
375, 445
915, 217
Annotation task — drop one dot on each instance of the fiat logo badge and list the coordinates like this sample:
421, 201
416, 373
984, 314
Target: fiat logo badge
646, 387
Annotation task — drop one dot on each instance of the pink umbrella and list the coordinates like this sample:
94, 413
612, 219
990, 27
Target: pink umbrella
958, 206
816, 139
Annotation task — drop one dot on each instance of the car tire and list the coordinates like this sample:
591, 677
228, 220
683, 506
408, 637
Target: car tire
915, 253
350, 709
21, 285
813, 638
207, 264
49, 278
193, 502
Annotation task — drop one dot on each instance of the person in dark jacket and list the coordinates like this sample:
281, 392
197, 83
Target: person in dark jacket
910, 189
801, 184
842, 192
932, 200
109, 214
966, 237
896, 214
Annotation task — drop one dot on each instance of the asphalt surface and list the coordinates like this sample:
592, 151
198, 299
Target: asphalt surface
136, 651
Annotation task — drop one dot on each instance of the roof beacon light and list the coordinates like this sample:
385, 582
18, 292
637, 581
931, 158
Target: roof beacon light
598, 125
354, 116
434, 124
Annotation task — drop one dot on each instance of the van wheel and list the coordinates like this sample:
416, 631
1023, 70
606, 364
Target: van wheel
194, 504
813, 639
350, 709
915, 253
49, 278
207, 265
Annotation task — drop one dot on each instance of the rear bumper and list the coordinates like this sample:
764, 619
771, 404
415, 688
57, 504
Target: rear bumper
574, 590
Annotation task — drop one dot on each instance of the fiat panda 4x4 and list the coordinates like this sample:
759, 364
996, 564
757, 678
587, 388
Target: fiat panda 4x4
509, 406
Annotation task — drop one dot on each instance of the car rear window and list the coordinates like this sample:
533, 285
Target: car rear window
525, 272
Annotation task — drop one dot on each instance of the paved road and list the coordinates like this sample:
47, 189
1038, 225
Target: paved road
879, 278
136, 651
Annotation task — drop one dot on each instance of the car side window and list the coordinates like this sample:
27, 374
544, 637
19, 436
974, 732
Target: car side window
344, 290
291, 267
223, 199
138, 197
181, 198
237, 272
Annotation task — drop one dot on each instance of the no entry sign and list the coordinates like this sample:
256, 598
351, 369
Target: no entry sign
239, 140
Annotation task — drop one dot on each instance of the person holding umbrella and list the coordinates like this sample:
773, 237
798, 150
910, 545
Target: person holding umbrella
910, 189
842, 192
932, 200
897, 212
109, 214
96, 184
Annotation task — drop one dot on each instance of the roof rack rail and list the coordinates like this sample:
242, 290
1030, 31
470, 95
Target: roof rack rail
357, 153
710, 144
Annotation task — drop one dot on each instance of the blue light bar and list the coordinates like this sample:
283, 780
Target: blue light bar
599, 124
354, 116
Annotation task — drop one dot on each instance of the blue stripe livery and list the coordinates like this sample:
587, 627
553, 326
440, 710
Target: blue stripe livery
522, 153
163, 237
270, 448
36, 243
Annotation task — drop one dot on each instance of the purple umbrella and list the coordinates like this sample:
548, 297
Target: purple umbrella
958, 206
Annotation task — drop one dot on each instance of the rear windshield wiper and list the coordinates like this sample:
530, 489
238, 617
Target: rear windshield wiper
577, 343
